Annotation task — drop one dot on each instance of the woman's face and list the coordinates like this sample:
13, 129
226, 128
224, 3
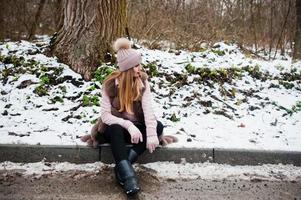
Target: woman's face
137, 70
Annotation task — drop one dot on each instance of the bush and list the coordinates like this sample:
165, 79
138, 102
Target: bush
174, 118
90, 100
41, 90
151, 69
102, 72
190, 68
57, 99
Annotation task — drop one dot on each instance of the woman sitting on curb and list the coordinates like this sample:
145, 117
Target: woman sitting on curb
127, 116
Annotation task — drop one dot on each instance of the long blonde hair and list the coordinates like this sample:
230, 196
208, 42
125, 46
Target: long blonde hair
129, 88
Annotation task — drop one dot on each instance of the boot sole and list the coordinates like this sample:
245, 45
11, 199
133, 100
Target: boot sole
132, 192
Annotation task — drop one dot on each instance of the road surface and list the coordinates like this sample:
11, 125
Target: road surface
101, 185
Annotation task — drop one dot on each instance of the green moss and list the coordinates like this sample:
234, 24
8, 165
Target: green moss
93, 121
233, 92
55, 71
237, 72
48, 78
16, 78
211, 60
20, 66
43, 68
289, 111
180, 79
58, 71
13, 59
218, 52
41, 90
6, 72
297, 107
190, 68
32, 62
254, 71
151, 69
86, 100
95, 101
202, 49
57, 99
2, 58
63, 88
101, 73
44, 79
239, 102
17, 62
286, 84
174, 118
92, 88
213, 74
292, 76
220, 75
90, 100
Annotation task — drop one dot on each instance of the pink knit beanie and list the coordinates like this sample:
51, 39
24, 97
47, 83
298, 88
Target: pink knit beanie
127, 57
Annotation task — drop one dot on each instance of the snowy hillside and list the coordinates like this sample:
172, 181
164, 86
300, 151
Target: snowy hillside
218, 97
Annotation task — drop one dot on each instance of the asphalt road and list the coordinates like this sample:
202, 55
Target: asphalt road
101, 185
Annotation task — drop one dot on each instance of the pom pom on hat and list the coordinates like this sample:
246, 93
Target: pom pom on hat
127, 57
122, 43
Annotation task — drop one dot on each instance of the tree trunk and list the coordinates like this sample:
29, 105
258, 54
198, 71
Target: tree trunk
253, 26
283, 28
36, 20
87, 31
297, 40
59, 16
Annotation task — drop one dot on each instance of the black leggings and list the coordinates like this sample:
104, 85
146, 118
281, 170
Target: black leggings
119, 137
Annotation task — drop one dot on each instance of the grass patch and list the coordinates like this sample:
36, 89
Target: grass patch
102, 72
90, 100
151, 69
41, 90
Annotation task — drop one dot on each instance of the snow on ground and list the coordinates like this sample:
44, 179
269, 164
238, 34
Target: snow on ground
205, 171
193, 96
215, 171
42, 167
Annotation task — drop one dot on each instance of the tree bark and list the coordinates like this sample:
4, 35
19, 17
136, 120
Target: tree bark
253, 25
36, 20
283, 27
297, 39
87, 31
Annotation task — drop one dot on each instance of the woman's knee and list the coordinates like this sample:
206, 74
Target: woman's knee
114, 130
114, 127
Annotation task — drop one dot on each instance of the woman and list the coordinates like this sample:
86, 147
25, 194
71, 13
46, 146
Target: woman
126, 110
127, 116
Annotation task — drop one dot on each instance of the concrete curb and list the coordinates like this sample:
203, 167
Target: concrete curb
177, 155
255, 157
51, 153
83, 154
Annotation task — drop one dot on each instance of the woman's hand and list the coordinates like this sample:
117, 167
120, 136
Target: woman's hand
152, 142
136, 135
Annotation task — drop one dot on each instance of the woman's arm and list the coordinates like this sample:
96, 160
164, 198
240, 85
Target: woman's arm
106, 115
149, 116
152, 140
109, 119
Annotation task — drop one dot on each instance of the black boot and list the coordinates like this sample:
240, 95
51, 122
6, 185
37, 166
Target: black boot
132, 155
126, 175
